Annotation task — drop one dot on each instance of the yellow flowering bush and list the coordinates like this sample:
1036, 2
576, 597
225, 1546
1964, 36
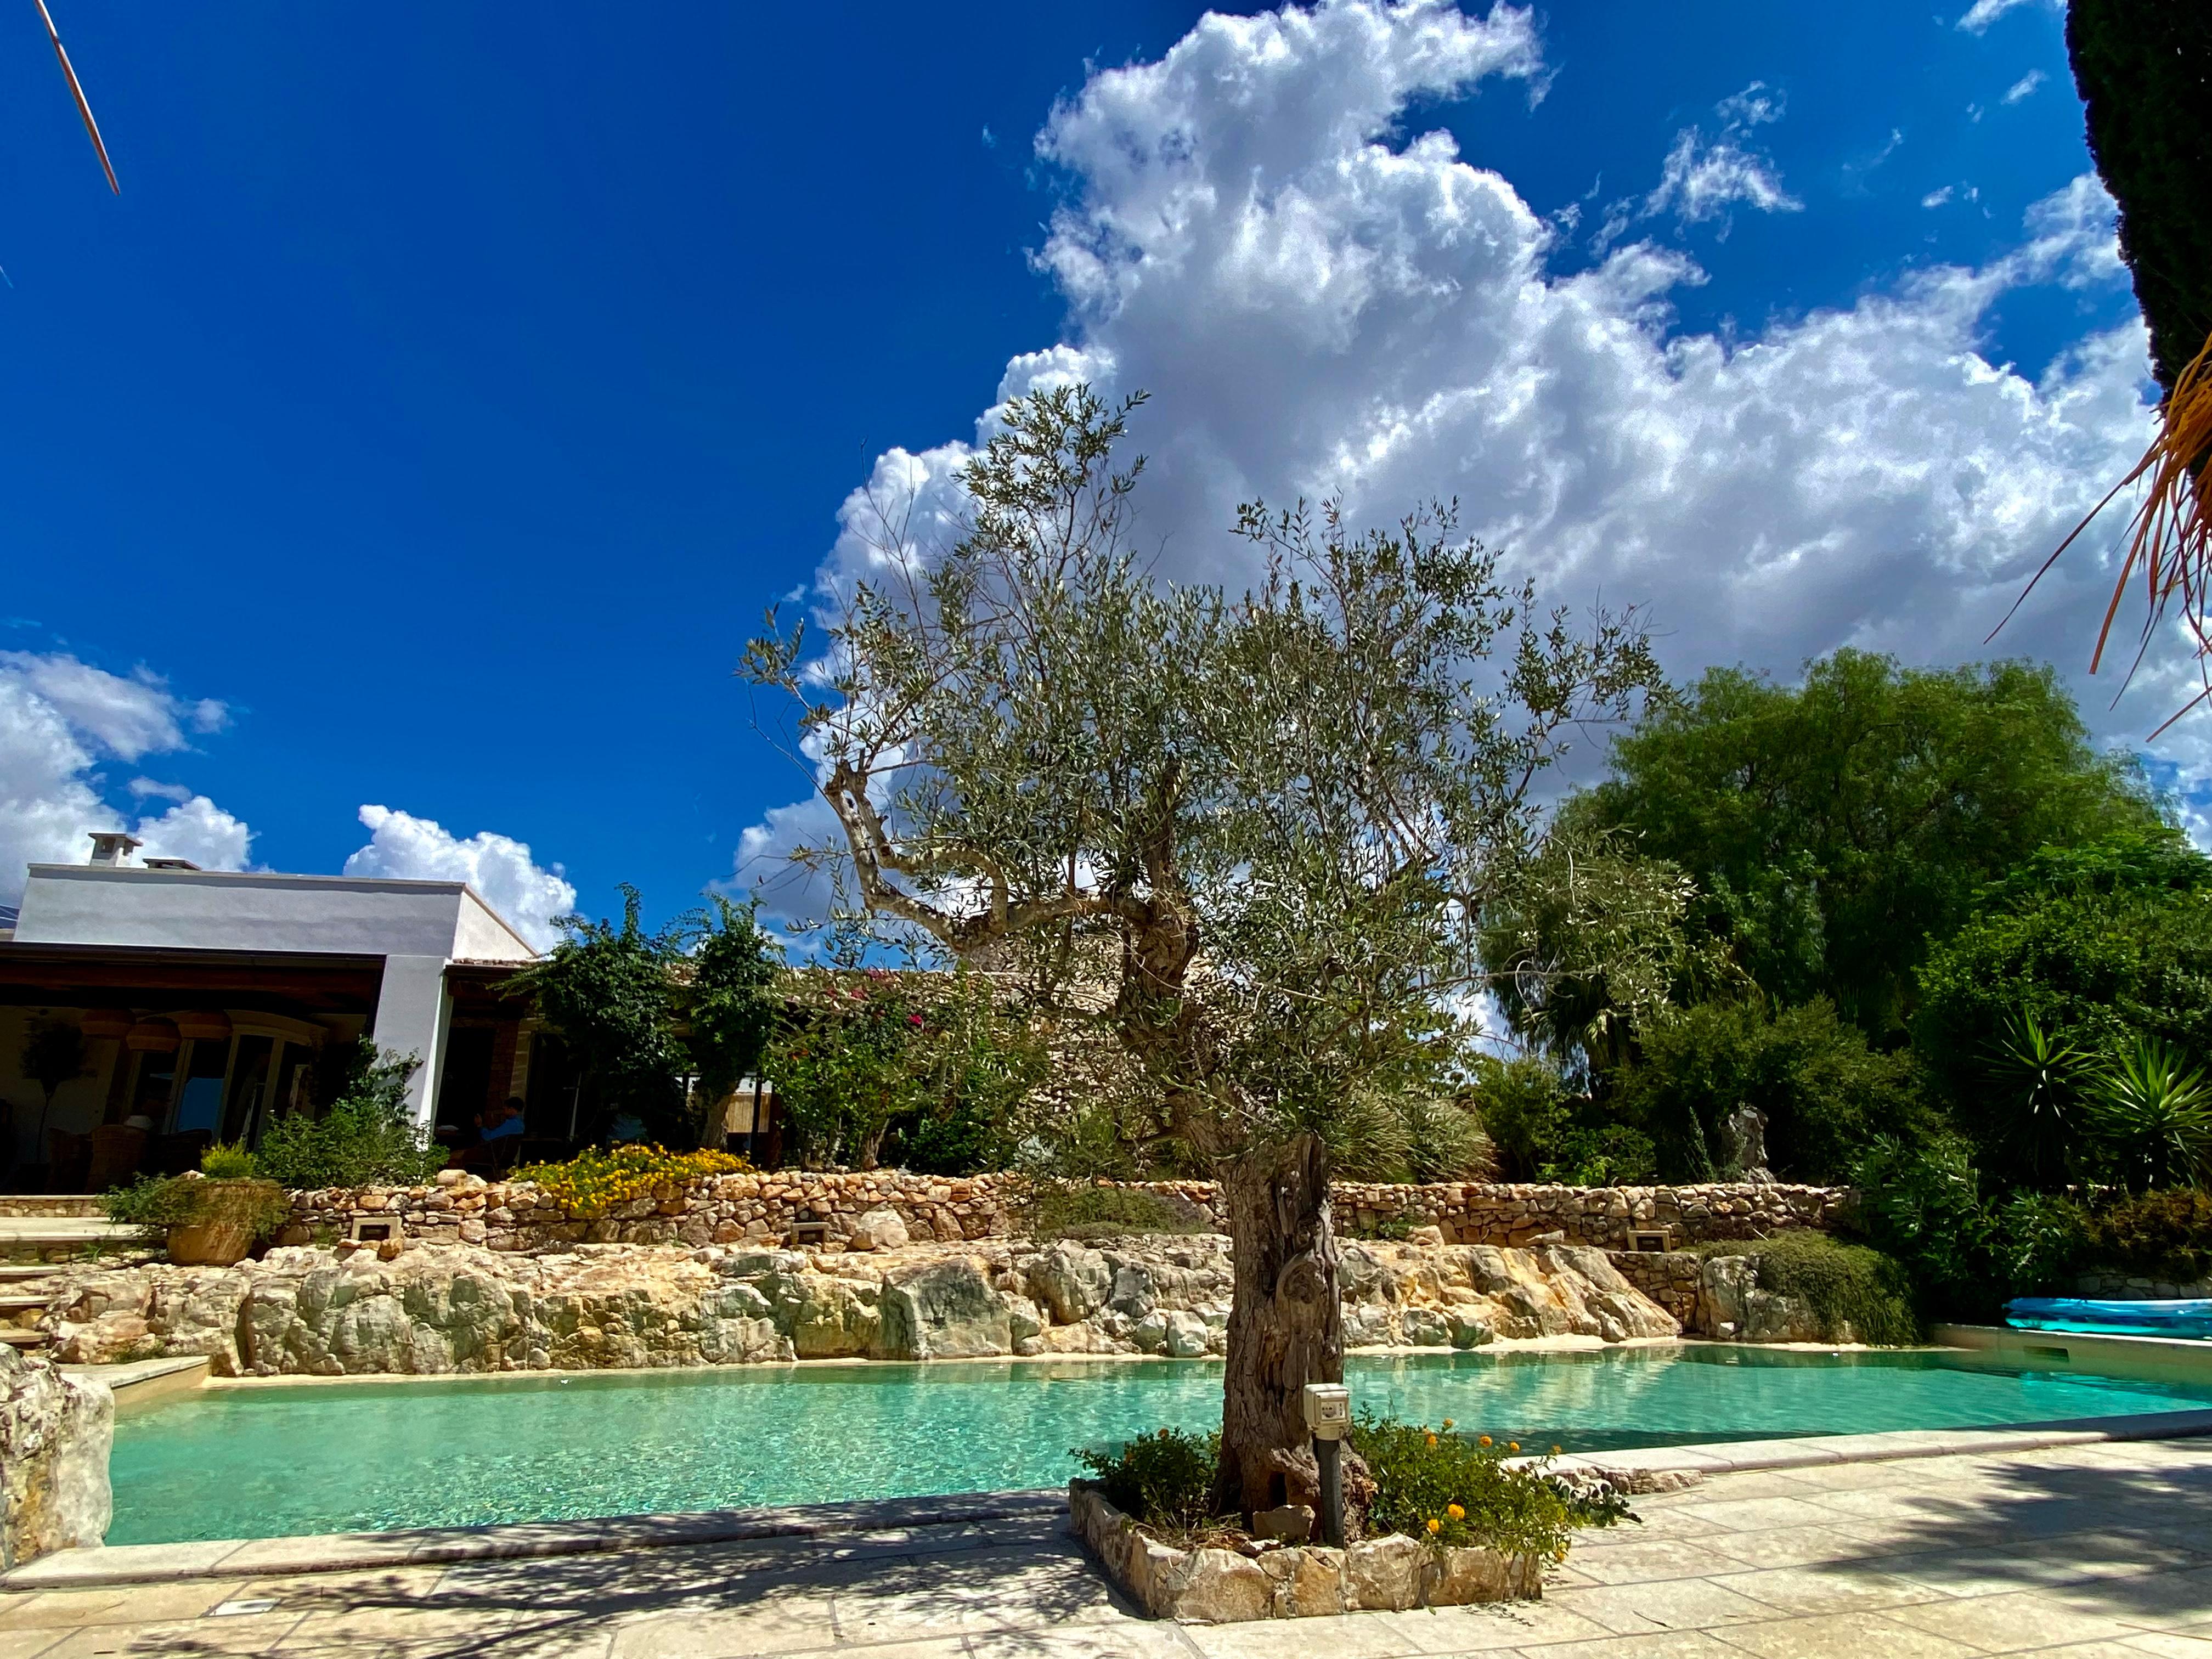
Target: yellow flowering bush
598, 1178
1454, 1490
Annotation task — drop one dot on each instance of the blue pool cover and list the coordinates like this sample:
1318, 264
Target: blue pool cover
2060, 1313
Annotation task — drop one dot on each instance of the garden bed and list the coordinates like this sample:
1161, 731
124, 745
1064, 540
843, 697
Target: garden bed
1264, 1580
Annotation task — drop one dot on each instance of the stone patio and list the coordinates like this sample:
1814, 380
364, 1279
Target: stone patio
2098, 1550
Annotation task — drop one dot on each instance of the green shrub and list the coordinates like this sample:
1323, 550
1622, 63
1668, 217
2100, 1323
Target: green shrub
1084, 1210
2152, 1112
1164, 1478
920, 1069
1920, 1205
367, 1137
191, 1201
2165, 1234
1844, 1284
1457, 1490
1525, 1109
1825, 1094
1615, 1155
2040, 1241
2099, 945
229, 1162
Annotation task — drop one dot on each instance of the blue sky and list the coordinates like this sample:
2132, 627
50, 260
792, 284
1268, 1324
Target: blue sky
446, 398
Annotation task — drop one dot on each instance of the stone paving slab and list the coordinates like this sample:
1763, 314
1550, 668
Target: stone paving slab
2096, 1550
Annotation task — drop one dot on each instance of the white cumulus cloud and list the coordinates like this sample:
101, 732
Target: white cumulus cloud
1983, 13
60, 720
1321, 303
403, 847
1702, 178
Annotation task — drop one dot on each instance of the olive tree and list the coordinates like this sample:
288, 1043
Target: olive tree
1254, 834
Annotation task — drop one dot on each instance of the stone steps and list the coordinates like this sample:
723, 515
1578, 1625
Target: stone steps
19, 1272
46, 1205
21, 1304
16, 1337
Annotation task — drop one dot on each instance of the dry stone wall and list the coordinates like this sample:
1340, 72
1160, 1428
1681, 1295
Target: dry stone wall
793, 1208
1674, 1279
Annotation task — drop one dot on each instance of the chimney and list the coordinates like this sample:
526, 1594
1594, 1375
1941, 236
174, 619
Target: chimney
112, 847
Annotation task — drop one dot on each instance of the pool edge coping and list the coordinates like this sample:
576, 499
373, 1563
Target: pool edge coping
138, 1564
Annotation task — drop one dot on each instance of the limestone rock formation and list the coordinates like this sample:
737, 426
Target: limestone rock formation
459, 1308
55, 1433
1732, 1304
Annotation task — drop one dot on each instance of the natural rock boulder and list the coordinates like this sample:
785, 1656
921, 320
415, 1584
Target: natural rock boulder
944, 1310
838, 1318
1732, 1304
55, 1433
1072, 1281
878, 1230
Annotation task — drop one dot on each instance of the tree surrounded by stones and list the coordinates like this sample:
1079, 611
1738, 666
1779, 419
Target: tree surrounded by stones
1252, 835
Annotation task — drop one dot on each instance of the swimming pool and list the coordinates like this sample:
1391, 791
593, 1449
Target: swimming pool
262, 1462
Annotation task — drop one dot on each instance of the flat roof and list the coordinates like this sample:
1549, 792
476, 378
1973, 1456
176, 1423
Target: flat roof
279, 881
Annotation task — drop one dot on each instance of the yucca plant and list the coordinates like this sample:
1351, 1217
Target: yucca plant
2043, 1075
2152, 1111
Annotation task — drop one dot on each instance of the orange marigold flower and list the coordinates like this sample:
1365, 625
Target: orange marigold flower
1432, 1439
1513, 1445
1456, 1511
1482, 1440
1435, 1525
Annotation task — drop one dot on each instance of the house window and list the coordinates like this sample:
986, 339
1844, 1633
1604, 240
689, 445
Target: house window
199, 1102
249, 1088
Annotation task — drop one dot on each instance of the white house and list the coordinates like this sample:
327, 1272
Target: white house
205, 995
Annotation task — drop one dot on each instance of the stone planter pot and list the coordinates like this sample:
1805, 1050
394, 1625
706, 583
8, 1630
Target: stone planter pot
1220, 1587
210, 1245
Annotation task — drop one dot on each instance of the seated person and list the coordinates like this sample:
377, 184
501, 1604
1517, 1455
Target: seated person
506, 1124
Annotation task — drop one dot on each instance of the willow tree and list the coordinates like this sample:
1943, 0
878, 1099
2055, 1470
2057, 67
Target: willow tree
1253, 834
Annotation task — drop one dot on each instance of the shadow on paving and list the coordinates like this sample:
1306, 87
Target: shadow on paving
2127, 1542
1017, 1584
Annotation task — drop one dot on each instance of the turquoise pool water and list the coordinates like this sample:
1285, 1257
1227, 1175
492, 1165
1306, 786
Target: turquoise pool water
267, 1462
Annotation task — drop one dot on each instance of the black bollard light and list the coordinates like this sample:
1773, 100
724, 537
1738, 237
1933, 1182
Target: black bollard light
1329, 1418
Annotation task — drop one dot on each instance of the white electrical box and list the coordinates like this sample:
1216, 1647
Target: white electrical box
1328, 1410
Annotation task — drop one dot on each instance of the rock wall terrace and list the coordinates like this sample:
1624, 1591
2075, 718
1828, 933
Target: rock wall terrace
787, 1207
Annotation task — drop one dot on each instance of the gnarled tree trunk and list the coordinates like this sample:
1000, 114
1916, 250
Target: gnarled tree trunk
1285, 1323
